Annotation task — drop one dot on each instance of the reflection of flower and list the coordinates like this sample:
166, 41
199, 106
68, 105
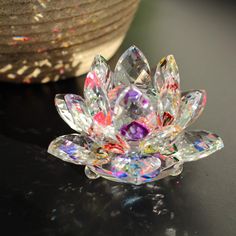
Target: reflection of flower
150, 207
131, 126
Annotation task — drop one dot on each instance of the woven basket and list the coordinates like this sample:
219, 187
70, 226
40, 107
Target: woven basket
44, 40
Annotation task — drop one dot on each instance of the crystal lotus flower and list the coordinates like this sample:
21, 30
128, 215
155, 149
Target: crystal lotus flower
131, 125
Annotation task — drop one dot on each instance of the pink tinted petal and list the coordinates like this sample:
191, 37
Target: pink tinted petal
166, 82
96, 97
102, 71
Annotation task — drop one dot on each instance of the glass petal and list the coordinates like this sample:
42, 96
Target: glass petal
96, 99
157, 104
77, 108
77, 149
114, 143
113, 94
192, 105
136, 168
132, 68
160, 141
64, 112
102, 70
167, 84
133, 112
194, 145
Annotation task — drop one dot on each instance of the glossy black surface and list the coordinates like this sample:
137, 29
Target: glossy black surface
40, 195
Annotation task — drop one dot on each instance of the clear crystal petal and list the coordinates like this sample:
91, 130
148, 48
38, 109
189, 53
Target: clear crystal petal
113, 94
102, 70
77, 108
135, 168
134, 114
64, 112
96, 99
160, 141
132, 68
192, 105
157, 104
194, 145
167, 84
77, 149
102, 135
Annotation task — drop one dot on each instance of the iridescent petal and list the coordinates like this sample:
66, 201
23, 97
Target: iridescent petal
136, 168
77, 108
77, 149
194, 145
160, 141
167, 84
132, 68
102, 70
96, 99
192, 105
64, 112
132, 108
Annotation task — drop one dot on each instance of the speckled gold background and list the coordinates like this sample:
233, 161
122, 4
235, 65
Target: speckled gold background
48, 40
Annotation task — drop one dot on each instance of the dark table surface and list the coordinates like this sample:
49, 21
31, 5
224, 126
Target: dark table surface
40, 195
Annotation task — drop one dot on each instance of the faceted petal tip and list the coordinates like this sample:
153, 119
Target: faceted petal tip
77, 108
76, 149
102, 70
166, 75
96, 99
64, 112
166, 82
195, 145
134, 106
192, 105
132, 68
71, 148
